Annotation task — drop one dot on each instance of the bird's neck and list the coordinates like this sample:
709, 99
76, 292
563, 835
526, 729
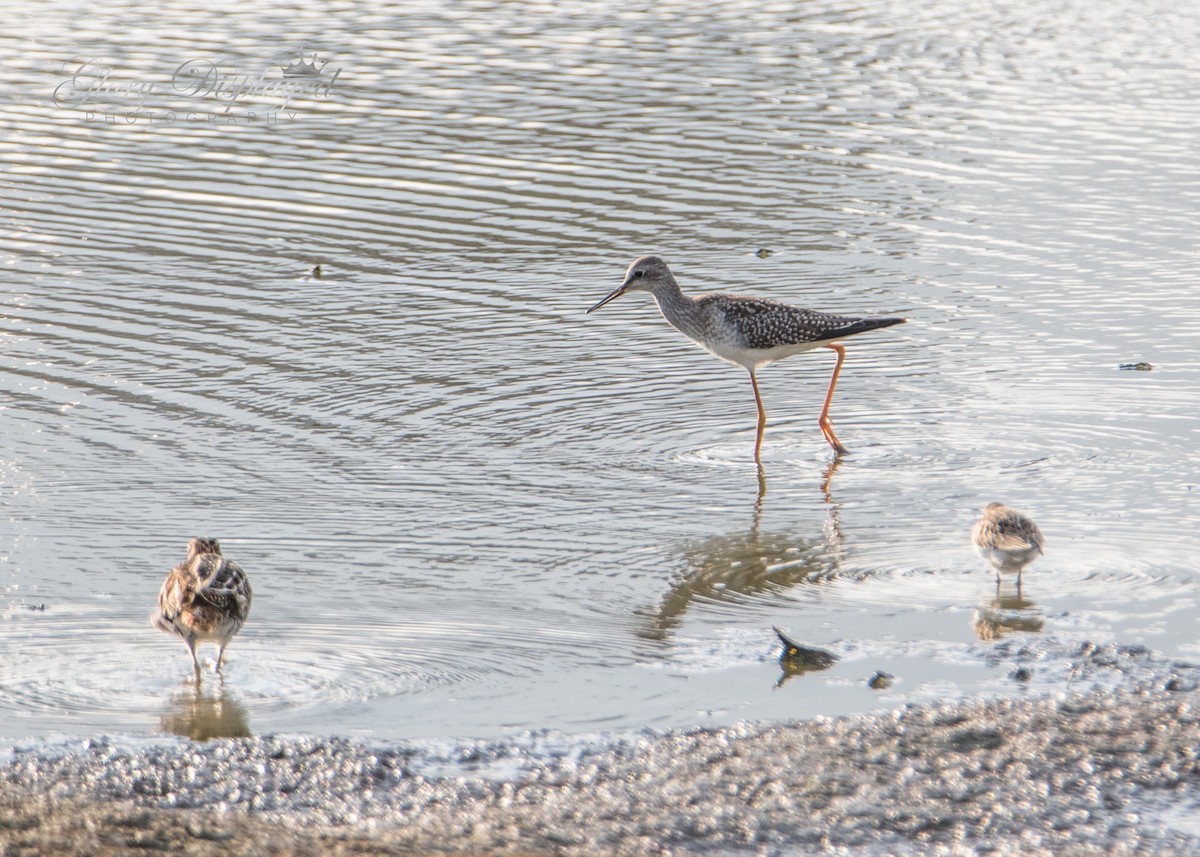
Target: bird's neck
679, 310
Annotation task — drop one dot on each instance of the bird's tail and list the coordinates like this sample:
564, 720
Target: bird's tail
788, 642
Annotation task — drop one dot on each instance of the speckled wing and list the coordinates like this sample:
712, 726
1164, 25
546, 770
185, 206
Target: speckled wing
1014, 534
766, 324
223, 585
204, 595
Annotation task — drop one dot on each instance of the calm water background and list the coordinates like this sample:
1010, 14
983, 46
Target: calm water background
468, 509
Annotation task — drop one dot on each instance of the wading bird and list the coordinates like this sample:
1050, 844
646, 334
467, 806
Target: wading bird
1006, 539
206, 598
749, 332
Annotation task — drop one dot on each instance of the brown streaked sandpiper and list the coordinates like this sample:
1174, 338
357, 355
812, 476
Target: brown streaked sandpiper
206, 598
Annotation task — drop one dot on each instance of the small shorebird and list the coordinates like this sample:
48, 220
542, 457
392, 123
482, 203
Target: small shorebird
1006, 539
801, 656
749, 332
798, 659
206, 598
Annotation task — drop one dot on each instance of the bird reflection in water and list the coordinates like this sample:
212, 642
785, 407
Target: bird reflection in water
202, 714
750, 562
1007, 611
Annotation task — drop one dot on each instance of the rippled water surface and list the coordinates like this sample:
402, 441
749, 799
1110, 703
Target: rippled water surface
469, 509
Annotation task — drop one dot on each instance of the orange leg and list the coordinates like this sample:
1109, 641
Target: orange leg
762, 418
826, 425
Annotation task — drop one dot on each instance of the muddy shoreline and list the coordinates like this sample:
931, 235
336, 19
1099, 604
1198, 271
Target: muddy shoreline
1092, 769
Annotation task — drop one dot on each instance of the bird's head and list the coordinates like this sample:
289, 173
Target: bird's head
202, 545
644, 274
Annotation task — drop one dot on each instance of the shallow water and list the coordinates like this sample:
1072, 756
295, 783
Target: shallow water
467, 508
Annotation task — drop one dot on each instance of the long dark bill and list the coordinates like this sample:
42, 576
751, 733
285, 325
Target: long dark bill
613, 295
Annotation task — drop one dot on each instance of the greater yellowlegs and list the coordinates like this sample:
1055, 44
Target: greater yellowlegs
206, 598
749, 332
1006, 539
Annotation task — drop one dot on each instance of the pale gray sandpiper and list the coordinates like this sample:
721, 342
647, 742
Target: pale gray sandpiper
1006, 539
746, 331
206, 598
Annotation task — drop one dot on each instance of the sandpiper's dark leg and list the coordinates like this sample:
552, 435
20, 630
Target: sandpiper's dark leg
191, 644
826, 425
762, 418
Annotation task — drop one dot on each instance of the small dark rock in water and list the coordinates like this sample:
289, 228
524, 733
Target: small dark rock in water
880, 681
1021, 674
799, 658
1136, 367
316, 272
762, 253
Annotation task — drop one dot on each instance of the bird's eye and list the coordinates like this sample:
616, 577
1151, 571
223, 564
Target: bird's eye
639, 274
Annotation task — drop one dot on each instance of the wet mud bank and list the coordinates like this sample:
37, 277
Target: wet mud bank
1107, 765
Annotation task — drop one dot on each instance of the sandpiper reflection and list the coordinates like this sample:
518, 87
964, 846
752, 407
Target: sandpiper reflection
749, 562
1006, 612
202, 714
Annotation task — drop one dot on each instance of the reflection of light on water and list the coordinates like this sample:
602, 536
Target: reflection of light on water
200, 714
